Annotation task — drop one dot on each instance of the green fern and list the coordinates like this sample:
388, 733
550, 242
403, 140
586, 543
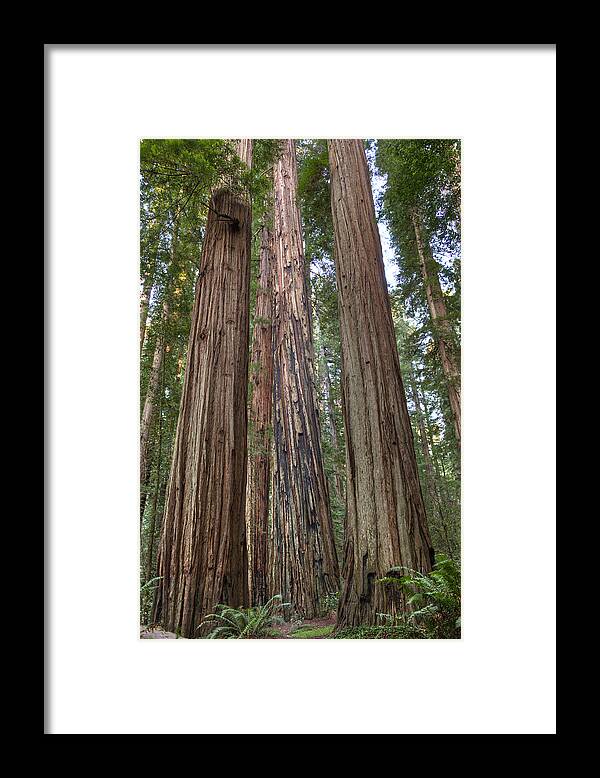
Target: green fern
434, 598
244, 623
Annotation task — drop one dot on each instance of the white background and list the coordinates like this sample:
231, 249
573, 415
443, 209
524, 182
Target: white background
499, 678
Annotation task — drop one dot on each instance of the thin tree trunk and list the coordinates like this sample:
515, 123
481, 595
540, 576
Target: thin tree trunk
202, 554
145, 486
144, 303
259, 460
437, 462
386, 521
146, 294
150, 543
432, 476
153, 381
152, 529
441, 325
304, 560
429, 427
429, 469
447, 500
330, 413
149, 407
159, 499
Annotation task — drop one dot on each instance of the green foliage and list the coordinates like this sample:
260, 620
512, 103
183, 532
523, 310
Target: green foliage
380, 632
244, 623
422, 175
260, 183
434, 597
314, 195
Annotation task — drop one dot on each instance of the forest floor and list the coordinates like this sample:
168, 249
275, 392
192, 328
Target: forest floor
311, 629
154, 631
315, 629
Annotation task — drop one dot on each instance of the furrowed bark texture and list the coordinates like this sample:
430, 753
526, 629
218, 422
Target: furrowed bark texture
304, 564
386, 521
202, 554
259, 458
441, 325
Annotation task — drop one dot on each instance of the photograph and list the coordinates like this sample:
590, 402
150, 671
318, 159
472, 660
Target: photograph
300, 388
300, 369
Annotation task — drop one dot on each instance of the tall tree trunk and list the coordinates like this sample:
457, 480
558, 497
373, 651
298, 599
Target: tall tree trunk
202, 554
244, 150
151, 531
146, 293
429, 427
159, 492
259, 459
441, 325
431, 475
304, 562
144, 303
386, 521
449, 503
149, 407
154, 379
159, 500
145, 486
427, 460
330, 413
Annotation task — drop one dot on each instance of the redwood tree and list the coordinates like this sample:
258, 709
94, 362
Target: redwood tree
304, 565
260, 431
202, 557
386, 525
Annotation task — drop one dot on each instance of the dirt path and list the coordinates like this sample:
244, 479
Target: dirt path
155, 632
